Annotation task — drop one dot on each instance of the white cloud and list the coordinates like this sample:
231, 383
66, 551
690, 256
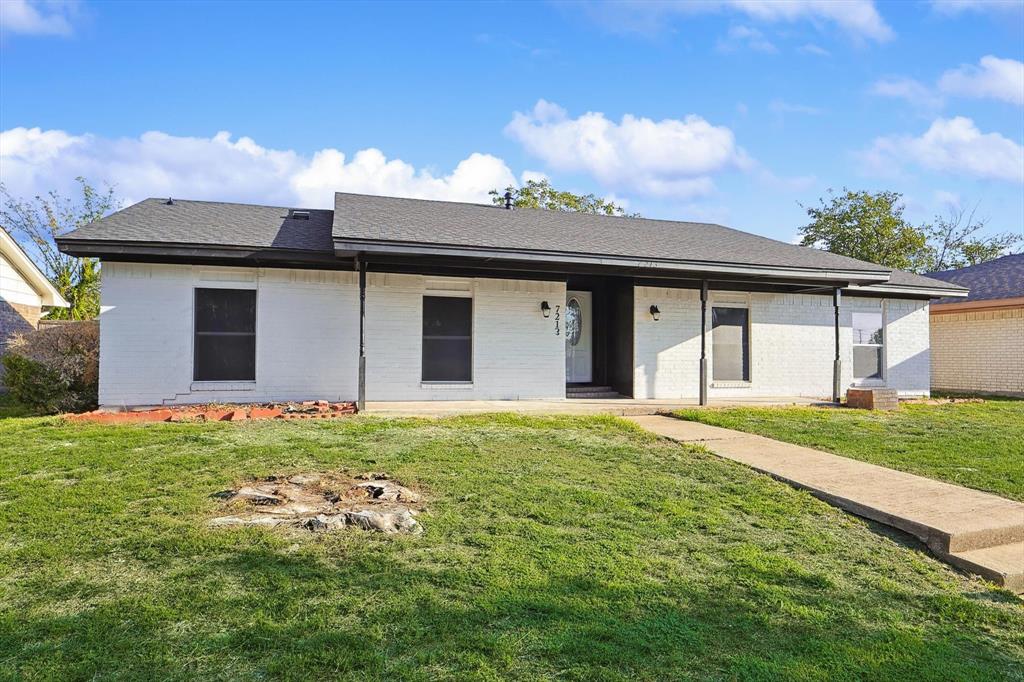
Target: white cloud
993, 78
811, 48
947, 199
913, 91
668, 157
36, 18
953, 145
744, 36
158, 164
955, 7
858, 18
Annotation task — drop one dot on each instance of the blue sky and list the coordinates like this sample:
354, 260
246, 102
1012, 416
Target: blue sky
729, 112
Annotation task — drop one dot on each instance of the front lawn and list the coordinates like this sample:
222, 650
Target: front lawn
561, 548
979, 445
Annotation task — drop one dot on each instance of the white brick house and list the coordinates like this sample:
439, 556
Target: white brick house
388, 299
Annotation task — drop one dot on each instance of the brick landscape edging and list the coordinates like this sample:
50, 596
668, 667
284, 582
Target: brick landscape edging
309, 409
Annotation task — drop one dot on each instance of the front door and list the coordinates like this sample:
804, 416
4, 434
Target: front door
578, 337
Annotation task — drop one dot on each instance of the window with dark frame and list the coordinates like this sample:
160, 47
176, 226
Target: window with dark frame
868, 342
447, 338
224, 347
730, 339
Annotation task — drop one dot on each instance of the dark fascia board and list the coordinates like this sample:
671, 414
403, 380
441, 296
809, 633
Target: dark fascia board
347, 247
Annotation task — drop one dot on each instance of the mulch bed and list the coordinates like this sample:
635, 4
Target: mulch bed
308, 409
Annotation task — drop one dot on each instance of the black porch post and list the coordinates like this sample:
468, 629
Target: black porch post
361, 394
703, 342
837, 364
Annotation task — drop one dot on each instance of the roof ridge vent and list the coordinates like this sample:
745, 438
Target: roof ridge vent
299, 215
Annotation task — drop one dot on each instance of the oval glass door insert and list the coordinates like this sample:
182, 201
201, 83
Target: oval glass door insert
573, 321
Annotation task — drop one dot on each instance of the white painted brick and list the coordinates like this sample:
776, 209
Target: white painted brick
791, 344
516, 352
306, 342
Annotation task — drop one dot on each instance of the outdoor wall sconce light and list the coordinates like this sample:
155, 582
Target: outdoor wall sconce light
545, 309
655, 313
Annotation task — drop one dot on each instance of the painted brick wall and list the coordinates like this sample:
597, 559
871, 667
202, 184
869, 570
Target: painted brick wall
516, 352
791, 344
306, 343
978, 351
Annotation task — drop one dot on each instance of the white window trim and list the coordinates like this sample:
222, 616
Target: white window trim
730, 299
872, 382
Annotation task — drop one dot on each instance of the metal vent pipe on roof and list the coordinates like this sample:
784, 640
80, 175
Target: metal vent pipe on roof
508, 201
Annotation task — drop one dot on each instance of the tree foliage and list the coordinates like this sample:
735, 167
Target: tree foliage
39, 221
540, 194
954, 241
865, 226
871, 227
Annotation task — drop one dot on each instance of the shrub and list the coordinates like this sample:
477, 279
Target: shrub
55, 368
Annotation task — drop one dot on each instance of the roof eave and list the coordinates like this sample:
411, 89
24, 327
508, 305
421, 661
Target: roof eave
929, 292
350, 246
48, 294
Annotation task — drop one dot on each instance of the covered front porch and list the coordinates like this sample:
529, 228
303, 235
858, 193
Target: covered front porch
620, 407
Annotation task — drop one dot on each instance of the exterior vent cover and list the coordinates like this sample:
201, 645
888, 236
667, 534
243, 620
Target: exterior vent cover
300, 215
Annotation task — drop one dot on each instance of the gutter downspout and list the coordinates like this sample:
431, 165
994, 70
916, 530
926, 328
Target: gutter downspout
361, 394
703, 342
837, 364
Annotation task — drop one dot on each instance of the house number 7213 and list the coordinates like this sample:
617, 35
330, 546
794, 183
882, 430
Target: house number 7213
558, 316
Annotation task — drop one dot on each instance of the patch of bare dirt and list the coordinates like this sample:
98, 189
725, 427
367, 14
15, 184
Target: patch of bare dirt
323, 502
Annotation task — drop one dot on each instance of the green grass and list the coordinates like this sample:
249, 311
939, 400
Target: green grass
560, 548
978, 445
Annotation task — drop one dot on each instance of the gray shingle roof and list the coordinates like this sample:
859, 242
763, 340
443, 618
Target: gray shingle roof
362, 217
212, 223
999, 278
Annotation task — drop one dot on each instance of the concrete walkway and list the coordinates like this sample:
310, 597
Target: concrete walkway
975, 531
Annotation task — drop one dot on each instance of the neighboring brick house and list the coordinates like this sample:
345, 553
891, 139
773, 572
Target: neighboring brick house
978, 341
387, 299
24, 292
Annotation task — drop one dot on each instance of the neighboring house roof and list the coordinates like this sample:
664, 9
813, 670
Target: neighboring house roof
28, 270
996, 279
367, 223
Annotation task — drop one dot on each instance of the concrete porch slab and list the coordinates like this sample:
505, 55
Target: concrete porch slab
977, 531
615, 406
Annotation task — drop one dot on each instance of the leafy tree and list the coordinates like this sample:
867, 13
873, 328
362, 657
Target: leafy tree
39, 221
871, 227
540, 194
866, 226
954, 241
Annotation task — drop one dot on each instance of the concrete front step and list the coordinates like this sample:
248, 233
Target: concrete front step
1002, 564
952, 520
605, 392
